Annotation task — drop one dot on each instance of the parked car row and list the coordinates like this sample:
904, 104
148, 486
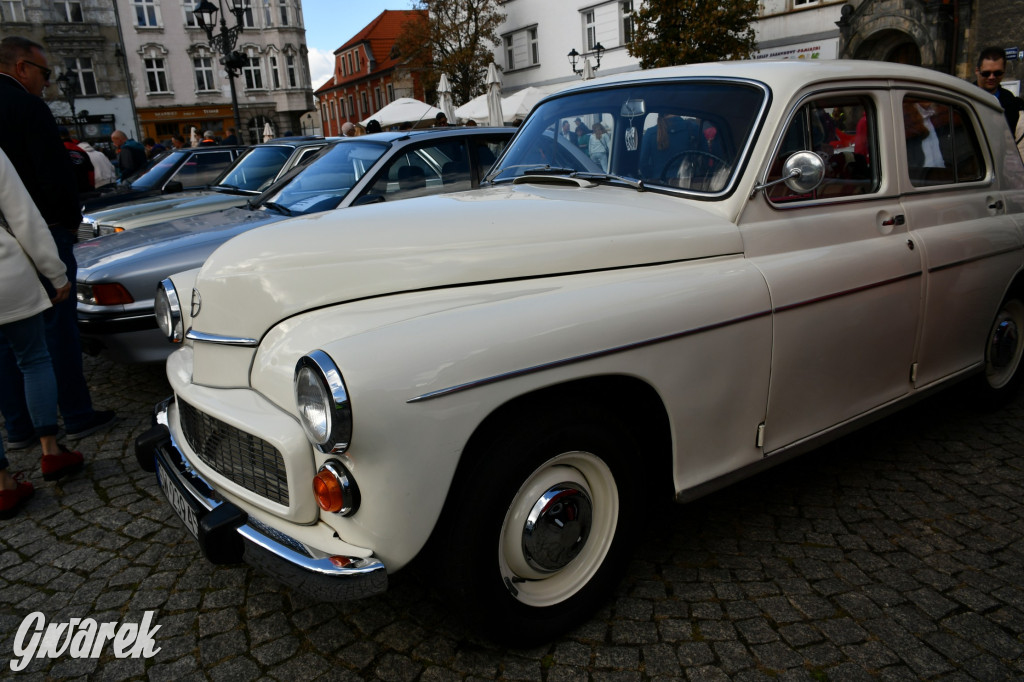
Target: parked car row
118, 274
508, 378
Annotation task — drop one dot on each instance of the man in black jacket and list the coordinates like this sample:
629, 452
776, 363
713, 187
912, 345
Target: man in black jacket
29, 137
989, 75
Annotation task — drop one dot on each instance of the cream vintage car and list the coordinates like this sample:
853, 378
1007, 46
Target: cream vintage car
749, 260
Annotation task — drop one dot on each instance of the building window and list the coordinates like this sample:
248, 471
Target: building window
293, 80
12, 10
341, 107
204, 73
284, 12
626, 21
391, 92
352, 107
147, 14
275, 77
805, 3
268, 14
510, 54
364, 100
70, 11
521, 49
358, 65
590, 29
248, 20
380, 98
334, 110
253, 73
156, 76
348, 58
85, 77
190, 16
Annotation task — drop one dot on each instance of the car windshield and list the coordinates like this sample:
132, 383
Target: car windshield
322, 184
155, 171
256, 169
689, 135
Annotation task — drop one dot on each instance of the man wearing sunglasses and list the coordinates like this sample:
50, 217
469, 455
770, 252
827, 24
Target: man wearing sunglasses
29, 137
989, 75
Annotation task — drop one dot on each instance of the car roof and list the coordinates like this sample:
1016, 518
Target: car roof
427, 133
788, 76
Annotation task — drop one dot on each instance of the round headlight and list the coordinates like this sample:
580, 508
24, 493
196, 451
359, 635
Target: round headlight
168, 311
322, 402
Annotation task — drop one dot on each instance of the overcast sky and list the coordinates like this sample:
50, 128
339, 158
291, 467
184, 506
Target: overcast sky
330, 23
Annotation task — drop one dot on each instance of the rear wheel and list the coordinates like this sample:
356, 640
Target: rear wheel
1003, 351
537, 533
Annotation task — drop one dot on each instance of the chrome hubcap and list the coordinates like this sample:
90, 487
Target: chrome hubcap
1004, 343
557, 527
1004, 351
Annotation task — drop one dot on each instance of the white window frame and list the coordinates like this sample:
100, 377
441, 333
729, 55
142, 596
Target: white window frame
252, 71
275, 75
391, 92
155, 68
510, 52
12, 11
190, 17
283, 12
626, 25
206, 68
590, 29
291, 71
522, 48
268, 14
84, 74
67, 11
147, 14
248, 16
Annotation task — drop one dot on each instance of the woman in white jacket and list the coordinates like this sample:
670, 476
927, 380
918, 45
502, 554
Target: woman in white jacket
27, 248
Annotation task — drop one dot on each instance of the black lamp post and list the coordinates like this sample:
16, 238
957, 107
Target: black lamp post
224, 42
574, 58
68, 84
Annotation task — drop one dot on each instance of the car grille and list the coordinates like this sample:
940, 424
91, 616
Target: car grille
251, 462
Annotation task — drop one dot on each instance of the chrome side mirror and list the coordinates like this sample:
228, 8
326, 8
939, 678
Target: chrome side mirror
802, 172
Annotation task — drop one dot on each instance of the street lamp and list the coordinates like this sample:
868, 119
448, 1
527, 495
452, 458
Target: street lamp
224, 42
574, 58
68, 84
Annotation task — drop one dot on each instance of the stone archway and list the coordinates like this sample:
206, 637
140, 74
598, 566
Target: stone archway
890, 46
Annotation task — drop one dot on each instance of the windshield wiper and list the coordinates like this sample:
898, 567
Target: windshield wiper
607, 177
279, 208
535, 169
226, 188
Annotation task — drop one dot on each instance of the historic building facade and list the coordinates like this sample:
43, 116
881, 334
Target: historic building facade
367, 74
179, 80
82, 40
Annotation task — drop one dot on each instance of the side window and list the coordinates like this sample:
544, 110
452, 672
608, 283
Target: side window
202, 169
430, 169
942, 146
485, 151
843, 130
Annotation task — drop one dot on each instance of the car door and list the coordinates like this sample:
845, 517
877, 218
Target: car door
956, 211
845, 282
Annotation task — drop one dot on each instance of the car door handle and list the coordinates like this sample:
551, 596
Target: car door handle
895, 220
997, 205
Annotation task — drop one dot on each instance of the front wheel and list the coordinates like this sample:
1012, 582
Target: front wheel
537, 532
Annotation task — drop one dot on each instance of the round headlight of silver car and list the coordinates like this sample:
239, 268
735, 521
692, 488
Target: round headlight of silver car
323, 404
168, 311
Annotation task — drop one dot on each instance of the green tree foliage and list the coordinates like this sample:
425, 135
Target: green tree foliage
456, 38
668, 32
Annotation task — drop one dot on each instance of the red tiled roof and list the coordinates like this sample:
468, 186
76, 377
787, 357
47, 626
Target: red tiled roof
377, 40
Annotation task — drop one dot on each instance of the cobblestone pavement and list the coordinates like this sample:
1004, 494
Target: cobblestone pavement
895, 553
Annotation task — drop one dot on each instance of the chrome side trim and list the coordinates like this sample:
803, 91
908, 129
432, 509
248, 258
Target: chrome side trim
193, 335
319, 578
973, 259
582, 358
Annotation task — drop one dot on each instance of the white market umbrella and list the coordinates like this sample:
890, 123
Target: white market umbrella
475, 109
402, 110
520, 103
193, 137
588, 70
495, 113
445, 104
268, 132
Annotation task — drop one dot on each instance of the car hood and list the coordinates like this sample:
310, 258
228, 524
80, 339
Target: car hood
165, 207
180, 241
498, 233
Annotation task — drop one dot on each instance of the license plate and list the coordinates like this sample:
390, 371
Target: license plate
177, 500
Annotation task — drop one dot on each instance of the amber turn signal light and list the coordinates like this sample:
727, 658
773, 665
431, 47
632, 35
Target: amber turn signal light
335, 489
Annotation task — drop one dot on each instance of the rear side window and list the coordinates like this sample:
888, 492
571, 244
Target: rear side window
843, 131
942, 144
203, 168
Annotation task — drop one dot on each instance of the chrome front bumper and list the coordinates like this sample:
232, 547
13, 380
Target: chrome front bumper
227, 535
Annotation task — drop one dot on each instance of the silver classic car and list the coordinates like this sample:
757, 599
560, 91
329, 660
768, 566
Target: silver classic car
118, 273
741, 261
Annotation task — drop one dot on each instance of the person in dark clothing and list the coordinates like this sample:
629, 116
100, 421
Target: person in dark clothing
989, 74
131, 156
85, 173
230, 139
30, 139
153, 148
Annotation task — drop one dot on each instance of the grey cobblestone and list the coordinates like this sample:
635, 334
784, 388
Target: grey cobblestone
893, 554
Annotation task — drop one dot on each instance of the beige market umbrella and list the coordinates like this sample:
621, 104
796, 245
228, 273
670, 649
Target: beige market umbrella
475, 109
445, 104
268, 132
520, 103
495, 114
193, 137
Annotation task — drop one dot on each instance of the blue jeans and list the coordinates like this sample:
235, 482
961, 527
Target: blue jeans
26, 339
65, 349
